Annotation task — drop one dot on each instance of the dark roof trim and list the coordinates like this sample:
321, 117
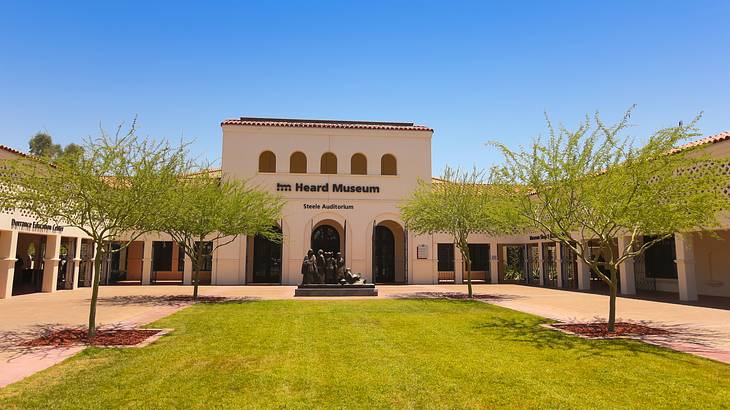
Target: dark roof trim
303, 123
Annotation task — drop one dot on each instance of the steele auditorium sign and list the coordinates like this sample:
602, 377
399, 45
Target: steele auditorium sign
301, 187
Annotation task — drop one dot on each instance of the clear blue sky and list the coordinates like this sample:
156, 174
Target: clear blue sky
472, 71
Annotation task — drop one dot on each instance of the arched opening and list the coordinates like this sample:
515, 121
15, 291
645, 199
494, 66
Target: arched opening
266, 263
389, 253
326, 236
298, 163
388, 165
358, 164
267, 162
328, 163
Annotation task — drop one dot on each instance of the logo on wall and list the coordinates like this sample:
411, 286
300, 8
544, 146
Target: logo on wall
301, 187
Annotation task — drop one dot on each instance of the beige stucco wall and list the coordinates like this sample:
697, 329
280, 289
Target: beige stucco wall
242, 146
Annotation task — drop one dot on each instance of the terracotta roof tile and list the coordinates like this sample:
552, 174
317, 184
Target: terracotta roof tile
299, 123
712, 139
14, 151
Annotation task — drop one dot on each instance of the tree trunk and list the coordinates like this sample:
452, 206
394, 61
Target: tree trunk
468, 276
464, 249
612, 302
95, 290
196, 271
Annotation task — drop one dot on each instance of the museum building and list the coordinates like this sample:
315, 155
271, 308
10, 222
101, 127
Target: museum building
342, 182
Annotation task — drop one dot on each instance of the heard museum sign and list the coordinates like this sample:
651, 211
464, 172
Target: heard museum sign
301, 187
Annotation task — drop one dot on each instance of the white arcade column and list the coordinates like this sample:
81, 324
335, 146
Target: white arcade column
50, 263
584, 273
559, 263
626, 269
494, 263
459, 268
187, 270
76, 264
8, 246
685, 267
147, 263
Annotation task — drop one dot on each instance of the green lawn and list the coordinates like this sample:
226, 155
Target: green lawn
364, 354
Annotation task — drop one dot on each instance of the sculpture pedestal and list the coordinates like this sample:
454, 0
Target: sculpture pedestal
367, 289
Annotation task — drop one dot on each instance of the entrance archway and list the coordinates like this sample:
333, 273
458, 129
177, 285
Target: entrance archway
266, 260
389, 253
326, 236
29, 265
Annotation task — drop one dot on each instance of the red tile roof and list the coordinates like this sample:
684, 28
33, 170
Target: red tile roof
14, 151
712, 139
292, 122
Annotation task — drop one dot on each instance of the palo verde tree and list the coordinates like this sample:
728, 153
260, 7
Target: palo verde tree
593, 184
459, 203
110, 190
208, 207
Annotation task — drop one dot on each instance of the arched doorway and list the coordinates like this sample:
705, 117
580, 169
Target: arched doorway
383, 255
389, 253
266, 260
325, 237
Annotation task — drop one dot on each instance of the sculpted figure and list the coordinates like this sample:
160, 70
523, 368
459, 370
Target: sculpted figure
309, 268
330, 268
339, 267
320, 266
353, 278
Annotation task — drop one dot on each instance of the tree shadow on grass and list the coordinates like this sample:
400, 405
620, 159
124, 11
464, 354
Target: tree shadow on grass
532, 333
13, 344
456, 296
168, 300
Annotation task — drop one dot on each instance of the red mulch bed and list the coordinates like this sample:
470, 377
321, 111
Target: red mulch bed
73, 337
601, 329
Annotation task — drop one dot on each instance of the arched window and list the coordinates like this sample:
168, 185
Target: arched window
298, 163
328, 164
358, 165
267, 162
388, 165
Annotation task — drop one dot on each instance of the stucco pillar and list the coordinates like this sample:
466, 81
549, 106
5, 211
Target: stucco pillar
50, 263
76, 264
187, 270
626, 269
584, 273
459, 267
494, 263
8, 249
540, 264
214, 264
559, 263
147, 262
686, 267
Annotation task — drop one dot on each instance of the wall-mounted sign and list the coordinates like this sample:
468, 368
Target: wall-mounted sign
34, 225
301, 187
539, 237
422, 252
329, 206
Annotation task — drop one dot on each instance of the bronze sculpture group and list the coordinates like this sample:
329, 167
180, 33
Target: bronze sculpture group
327, 268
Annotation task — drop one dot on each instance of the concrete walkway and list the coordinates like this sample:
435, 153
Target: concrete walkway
697, 330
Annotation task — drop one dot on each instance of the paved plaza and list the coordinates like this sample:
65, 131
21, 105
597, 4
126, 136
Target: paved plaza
703, 331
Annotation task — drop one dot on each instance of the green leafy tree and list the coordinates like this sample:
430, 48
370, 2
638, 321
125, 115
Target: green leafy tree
460, 204
113, 188
594, 185
72, 150
209, 208
41, 145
